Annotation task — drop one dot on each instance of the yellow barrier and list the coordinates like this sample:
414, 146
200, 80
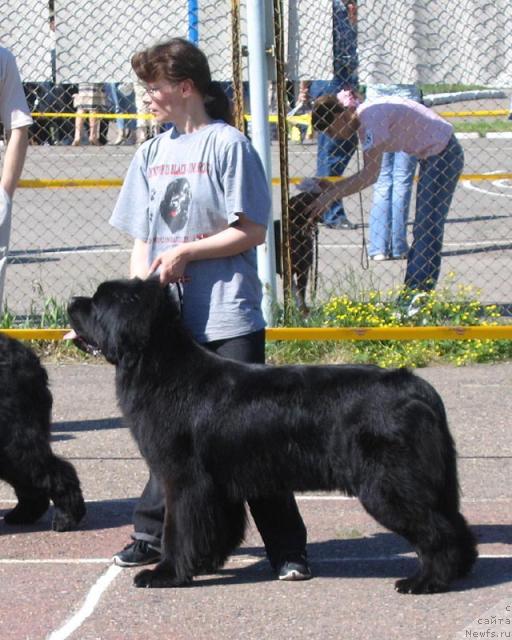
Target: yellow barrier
304, 119
105, 183
99, 114
502, 332
392, 333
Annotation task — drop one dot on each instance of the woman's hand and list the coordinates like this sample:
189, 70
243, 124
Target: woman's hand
172, 265
319, 206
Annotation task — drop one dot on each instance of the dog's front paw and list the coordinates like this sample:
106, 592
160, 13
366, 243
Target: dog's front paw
63, 521
158, 579
419, 585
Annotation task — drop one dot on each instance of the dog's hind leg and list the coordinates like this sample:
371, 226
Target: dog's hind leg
31, 486
66, 494
444, 545
446, 550
32, 504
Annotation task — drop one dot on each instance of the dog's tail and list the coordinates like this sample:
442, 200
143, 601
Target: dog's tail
66, 495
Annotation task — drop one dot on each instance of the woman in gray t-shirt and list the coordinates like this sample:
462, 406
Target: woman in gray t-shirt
196, 202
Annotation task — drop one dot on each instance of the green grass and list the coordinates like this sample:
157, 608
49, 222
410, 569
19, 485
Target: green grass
52, 315
450, 88
481, 125
446, 306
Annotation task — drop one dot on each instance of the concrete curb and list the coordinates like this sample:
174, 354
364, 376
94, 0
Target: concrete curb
433, 99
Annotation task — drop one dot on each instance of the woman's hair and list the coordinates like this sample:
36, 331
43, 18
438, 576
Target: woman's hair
177, 60
324, 112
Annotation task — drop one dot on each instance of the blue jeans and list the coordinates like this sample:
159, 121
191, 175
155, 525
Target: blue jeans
390, 207
333, 156
392, 191
438, 178
121, 103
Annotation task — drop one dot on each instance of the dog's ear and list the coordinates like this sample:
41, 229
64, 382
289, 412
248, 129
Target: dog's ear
132, 313
172, 295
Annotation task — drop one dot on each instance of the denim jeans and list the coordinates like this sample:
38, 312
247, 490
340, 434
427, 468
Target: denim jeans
390, 207
393, 189
438, 177
333, 156
121, 103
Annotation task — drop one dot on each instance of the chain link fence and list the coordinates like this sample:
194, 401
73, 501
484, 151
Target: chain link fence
89, 117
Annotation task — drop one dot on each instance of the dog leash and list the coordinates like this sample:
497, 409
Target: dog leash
365, 261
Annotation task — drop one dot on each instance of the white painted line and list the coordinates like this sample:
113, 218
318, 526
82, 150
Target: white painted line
247, 559
327, 497
391, 558
477, 243
64, 252
468, 135
89, 605
56, 561
499, 135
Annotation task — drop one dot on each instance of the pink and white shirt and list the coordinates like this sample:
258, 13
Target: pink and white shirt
394, 124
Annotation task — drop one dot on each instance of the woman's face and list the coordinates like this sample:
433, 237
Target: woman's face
165, 100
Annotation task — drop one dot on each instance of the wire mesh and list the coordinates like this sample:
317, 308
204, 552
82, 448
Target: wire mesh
411, 229
75, 56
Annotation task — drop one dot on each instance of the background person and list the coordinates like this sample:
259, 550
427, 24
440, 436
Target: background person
196, 202
91, 98
393, 189
16, 120
333, 155
121, 98
394, 124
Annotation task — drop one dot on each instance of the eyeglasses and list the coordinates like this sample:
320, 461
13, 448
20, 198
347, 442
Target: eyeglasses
151, 91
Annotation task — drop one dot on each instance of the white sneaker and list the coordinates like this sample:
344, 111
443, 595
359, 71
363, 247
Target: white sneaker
379, 257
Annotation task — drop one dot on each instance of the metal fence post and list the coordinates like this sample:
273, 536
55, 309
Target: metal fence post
259, 50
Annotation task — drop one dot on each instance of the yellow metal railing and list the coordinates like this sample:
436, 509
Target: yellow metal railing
501, 332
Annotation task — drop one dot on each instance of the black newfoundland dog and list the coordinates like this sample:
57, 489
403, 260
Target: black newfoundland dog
27, 462
218, 432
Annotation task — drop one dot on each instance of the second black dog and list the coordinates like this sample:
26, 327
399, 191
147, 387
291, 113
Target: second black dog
27, 462
218, 432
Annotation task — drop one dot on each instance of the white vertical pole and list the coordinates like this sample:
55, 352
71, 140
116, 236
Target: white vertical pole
259, 46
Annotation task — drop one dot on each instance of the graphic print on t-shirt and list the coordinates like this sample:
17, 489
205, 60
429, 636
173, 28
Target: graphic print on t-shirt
175, 204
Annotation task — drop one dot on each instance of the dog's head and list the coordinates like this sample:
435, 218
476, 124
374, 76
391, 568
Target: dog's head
122, 317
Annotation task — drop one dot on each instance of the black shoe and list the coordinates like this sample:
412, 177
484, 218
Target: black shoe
295, 568
136, 554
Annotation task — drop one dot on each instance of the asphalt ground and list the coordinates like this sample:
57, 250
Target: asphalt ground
60, 585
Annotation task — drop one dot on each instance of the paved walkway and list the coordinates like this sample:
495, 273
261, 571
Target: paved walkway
62, 585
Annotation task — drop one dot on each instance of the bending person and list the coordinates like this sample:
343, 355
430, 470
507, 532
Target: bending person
392, 124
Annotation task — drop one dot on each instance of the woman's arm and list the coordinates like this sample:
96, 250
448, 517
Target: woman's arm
237, 238
15, 152
346, 187
139, 259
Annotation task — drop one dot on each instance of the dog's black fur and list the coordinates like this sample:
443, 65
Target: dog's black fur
218, 432
27, 462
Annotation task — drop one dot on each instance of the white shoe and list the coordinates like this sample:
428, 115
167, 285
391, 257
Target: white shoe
119, 140
379, 257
